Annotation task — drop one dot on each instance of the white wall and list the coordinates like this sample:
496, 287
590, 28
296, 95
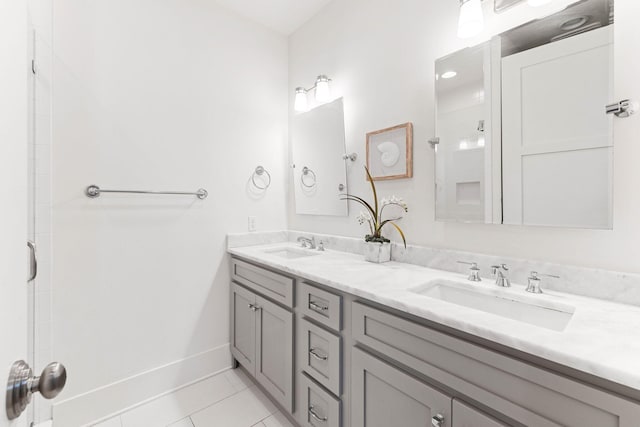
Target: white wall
381, 55
13, 190
165, 95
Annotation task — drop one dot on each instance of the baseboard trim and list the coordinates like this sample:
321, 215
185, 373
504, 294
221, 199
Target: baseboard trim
124, 395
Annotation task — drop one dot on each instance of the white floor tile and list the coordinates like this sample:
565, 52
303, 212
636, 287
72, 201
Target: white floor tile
243, 409
239, 379
111, 422
184, 402
277, 420
185, 422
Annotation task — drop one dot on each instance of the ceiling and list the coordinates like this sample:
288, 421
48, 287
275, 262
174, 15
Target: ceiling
594, 13
283, 16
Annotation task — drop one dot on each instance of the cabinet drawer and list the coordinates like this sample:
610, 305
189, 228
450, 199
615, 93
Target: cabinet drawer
321, 306
523, 392
272, 285
322, 356
319, 408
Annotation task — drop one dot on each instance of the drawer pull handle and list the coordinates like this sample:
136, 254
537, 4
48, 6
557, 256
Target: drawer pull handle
317, 307
317, 355
254, 307
312, 412
437, 421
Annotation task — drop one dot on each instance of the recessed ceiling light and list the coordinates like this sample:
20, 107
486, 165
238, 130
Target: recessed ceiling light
574, 23
449, 74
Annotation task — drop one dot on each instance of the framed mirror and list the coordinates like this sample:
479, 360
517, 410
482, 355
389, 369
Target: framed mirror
319, 170
523, 133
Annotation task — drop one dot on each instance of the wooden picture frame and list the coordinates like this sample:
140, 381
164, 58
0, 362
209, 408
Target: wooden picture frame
386, 150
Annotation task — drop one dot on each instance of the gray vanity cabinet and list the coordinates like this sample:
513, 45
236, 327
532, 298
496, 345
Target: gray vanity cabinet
385, 396
522, 392
262, 342
361, 364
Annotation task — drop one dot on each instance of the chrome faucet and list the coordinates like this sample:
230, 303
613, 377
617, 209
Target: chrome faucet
474, 271
501, 273
307, 242
533, 285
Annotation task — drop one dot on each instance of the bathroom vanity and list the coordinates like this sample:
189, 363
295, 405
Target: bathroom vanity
337, 342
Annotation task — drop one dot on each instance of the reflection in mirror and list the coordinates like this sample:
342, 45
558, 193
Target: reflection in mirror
318, 147
557, 78
464, 124
545, 156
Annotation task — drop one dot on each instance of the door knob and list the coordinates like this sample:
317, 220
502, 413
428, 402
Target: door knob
437, 421
22, 384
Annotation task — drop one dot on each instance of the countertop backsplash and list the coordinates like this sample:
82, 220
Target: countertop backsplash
607, 285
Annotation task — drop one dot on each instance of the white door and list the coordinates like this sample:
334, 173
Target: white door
13, 192
557, 139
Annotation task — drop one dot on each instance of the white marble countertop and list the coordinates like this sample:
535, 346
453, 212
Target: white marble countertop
602, 338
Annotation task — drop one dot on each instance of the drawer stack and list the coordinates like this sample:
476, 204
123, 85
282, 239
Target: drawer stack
321, 350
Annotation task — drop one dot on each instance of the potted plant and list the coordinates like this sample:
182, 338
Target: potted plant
378, 247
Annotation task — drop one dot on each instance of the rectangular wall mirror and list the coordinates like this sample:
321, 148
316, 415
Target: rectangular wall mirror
319, 170
523, 137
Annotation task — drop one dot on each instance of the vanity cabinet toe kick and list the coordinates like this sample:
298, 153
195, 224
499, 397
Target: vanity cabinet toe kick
330, 359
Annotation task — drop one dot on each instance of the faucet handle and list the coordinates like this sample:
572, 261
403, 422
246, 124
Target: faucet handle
496, 268
474, 271
533, 284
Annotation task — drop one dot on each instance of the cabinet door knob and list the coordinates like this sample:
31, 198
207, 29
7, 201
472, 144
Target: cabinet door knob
437, 421
254, 307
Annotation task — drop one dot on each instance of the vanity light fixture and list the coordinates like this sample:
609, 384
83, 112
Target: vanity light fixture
471, 20
449, 74
301, 104
322, 94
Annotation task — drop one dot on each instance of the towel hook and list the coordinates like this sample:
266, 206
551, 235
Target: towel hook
260, 171
308, 172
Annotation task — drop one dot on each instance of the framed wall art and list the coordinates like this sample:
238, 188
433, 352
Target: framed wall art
390, 152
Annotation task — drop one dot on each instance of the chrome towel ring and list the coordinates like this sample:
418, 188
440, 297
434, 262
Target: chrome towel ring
310, 173
260, 171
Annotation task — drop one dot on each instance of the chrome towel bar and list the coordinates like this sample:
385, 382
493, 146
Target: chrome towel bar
93, 191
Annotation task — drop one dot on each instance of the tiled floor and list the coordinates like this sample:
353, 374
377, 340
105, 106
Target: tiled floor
229, 399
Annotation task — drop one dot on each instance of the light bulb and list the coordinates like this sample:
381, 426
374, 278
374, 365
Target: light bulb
471, 22
300, 103
536, 3
323, 90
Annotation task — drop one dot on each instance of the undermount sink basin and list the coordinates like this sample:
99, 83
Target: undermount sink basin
291, 253
523, 308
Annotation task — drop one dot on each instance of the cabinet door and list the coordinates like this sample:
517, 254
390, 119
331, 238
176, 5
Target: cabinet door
274, 351
466, 416
243, 327
384, 396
